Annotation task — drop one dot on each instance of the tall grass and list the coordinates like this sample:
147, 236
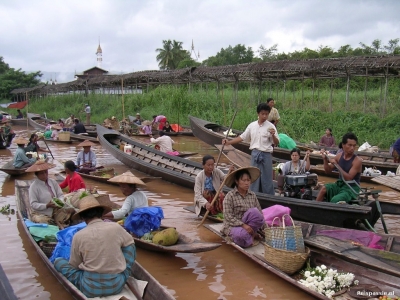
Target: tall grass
304, 114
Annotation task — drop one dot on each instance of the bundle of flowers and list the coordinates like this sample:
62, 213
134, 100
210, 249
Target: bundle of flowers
326, 281
39, 134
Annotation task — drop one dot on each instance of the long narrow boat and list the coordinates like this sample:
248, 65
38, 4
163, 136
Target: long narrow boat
183, 172
19, 122
186, 132
241, 159
153, 291
371, 267
212, 134
11, 170
39, 122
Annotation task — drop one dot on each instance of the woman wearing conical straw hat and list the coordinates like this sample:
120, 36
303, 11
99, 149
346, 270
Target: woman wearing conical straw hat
242, 211
86, 159
41, 192
20, 158
128, 184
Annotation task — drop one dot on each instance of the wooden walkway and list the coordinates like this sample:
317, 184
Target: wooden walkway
6, 290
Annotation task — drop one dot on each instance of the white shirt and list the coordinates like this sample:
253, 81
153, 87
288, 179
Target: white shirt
135, 200
165, 143
87, 109
84, 158
39, 195
259, 137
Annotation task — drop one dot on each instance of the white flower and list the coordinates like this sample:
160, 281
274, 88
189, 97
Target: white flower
307, 273
323, 267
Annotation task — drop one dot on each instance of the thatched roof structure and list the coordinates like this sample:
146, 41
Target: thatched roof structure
373, 66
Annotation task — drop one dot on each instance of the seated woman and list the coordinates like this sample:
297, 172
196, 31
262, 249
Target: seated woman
128, 184
33, 145
86, 160
296, 166
41, 192
61, 123
54, 134
146, 128
207, 182
73, 180
167, 127
327, 140
20, 158
242, 211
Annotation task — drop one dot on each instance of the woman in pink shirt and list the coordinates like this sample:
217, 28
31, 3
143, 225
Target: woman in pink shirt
327, 140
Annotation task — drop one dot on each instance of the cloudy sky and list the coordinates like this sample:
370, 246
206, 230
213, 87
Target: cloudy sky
61, 37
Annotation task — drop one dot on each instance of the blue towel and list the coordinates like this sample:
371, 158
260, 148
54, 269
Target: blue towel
29, 223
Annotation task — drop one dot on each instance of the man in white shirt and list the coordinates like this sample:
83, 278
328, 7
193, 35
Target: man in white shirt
261, 135
164, 142
87, 111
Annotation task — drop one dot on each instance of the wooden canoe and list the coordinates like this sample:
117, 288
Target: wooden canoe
212, 134
186, 132
369, 272
104, 179
184, 245
11, 170
39, 122
183, 172
19, 122
389, 181
153, 291
58, 141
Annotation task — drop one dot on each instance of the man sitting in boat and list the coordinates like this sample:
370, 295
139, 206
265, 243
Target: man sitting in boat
78, 128
164, 142
41, 192
207, 182
102, 253
19, 115
73, 180
69, 122
242, 211
86, 160
349, 164
7, 132
128, 184
138, 120
20, 158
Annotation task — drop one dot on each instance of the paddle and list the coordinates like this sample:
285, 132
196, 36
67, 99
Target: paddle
44, 140
302, 164
216, 165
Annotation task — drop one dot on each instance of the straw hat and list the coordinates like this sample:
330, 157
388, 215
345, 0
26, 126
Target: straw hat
52, 122
254, 174
128, 178
20, 140
89, 202
86, 143
138, 114
40, 166
145, 123
57, 127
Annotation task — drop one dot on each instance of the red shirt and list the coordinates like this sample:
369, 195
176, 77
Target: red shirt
74, 182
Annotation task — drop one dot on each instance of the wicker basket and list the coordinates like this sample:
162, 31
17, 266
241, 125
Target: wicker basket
108, 171
288, 261
64, 136
48, 248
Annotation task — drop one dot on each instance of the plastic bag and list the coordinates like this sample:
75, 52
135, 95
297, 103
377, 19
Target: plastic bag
364, 146
144, 219
274, 211
286, 142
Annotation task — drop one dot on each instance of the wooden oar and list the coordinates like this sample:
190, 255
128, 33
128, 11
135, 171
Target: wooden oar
302, 164
226, 136
44, 140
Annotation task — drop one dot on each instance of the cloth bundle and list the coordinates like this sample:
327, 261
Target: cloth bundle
144, 219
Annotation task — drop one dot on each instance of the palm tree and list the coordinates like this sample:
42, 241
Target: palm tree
165, 55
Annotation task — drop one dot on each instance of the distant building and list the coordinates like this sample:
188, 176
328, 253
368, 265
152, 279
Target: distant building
94, 71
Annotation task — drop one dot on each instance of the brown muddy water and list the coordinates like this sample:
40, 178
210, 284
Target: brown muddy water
220, 274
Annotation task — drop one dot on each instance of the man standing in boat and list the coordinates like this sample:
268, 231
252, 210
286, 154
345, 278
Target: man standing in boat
87, 111
262, 135
349, 165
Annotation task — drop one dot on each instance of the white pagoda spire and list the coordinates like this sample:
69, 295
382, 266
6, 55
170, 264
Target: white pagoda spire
99, 54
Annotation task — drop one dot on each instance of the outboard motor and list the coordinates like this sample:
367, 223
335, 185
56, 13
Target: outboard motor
299, 185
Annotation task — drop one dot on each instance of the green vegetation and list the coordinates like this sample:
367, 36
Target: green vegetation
302, 120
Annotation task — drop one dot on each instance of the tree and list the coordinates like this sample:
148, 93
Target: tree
11, 79
268, 54
231, 56
393, 47
171, 54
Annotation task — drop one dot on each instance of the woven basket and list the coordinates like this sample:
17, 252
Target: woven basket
108, 171
288, 261
48, 248
64, 136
